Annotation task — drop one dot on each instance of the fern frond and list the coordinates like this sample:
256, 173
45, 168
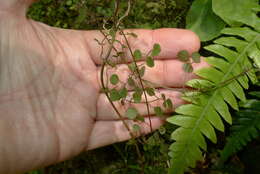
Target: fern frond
246, 128
223, 84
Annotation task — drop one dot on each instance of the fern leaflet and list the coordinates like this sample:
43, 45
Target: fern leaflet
200, 118
246, 128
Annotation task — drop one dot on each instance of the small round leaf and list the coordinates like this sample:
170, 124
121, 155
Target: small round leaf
131, 113
183, 55
137, 54
142, 71
137, 96
150, 61
132, 67
123, 92
136, 128
114, 95
158, 111
114, 79
195, 57
130, 81
156, 50
150, 91
168, 104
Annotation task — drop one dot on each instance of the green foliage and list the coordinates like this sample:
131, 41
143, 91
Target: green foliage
246, 127
195, 57
150, 61
206, 17
114, 95
114, 79
183, 55
202, 20
137, 54
136, 128
156, 50
131, 113
168, 104
150, 91
238, 12
158, 111
222, 83
123, 92
89, 14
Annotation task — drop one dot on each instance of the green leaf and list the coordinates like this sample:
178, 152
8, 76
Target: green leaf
208, 130
158, 111
132, 67
69, 2
237, 90
156, 50
150, 91
182, 120
168, 104
150, 61
136, 128
142, 71
183, 55
237, 12
140, 118
223, 83
131, 81
131, 113
195, 57
114, 79
255, 94
187, 67
246, 127
203, 21
211, 74
123, 92
114, 95
137, 96
137, 54
229, 97
222, 108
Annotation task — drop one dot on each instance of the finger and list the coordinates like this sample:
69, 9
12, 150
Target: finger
171, 41
168, 73
106, 112
109, 132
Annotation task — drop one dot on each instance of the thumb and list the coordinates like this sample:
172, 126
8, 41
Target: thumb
17, 7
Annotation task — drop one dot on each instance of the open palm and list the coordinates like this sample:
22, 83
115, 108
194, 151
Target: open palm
51, 107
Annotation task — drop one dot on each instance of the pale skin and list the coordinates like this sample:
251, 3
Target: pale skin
51, 107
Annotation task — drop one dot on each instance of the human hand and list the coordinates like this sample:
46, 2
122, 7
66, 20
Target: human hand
51, 106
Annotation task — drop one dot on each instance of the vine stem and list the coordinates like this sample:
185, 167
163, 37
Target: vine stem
106, 92
115, 28
140, 79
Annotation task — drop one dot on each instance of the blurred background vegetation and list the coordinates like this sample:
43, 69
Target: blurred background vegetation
89, 14
121, 158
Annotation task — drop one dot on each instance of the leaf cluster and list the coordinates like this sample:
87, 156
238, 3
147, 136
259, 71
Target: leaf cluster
208, 17
223, 84
246, 127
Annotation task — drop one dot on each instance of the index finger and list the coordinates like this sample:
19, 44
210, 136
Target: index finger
171, 41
